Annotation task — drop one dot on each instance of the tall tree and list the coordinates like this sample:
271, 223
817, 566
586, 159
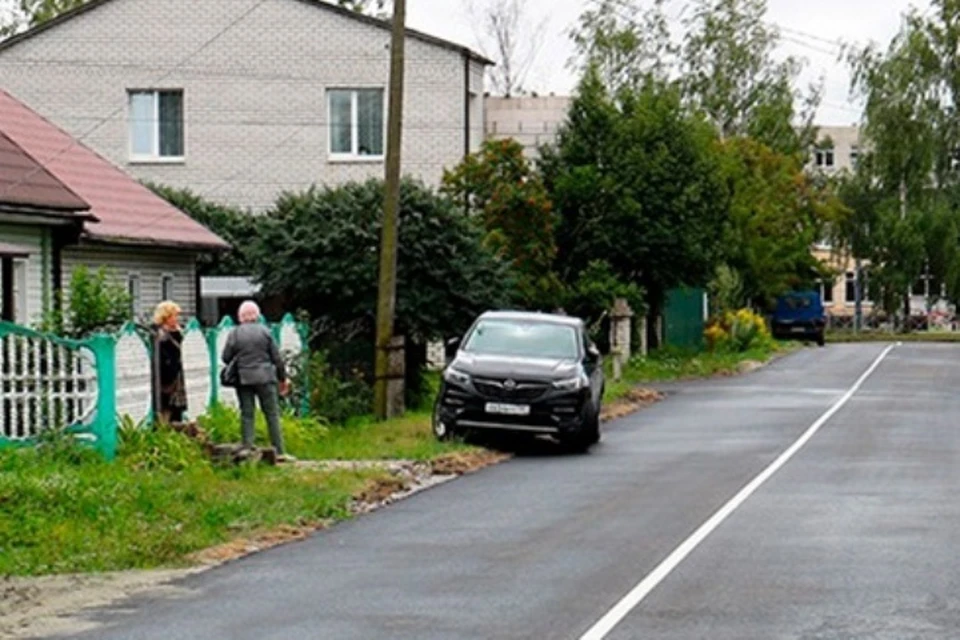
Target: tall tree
624, 42
729, 71
636, 180
903, 88
508, 198
776, 213
509, 34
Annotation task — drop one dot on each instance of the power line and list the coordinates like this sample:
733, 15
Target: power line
75, 141
806, 45
629, 6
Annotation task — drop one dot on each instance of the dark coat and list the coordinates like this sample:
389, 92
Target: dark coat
171, 357
258, 357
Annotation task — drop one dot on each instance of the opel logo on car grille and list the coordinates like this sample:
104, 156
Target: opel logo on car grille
509, 384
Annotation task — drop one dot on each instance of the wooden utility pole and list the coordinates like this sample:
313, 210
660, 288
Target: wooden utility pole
387, 291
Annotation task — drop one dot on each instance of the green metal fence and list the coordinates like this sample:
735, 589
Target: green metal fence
85, 386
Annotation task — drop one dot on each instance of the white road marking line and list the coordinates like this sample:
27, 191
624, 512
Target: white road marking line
613, 617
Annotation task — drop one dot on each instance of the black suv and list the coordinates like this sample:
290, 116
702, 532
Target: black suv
526, 373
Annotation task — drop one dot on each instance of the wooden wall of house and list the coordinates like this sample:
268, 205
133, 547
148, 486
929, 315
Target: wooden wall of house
149, 265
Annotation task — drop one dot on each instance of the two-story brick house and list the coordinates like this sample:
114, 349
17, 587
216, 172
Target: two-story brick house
241, 100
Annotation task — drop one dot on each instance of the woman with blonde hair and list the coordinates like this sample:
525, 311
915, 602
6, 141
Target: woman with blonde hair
173, 392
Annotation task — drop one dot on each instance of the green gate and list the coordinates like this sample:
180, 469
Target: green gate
683, 318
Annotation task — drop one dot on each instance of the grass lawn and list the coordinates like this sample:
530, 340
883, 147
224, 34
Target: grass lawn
667, 365
886, 336
65, 510
68, 512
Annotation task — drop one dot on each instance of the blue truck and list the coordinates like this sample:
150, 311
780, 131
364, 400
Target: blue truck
799, 315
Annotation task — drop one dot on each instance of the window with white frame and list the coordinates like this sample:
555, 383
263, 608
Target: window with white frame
356, 123
166, 286
156, 124
854, 157
133, 290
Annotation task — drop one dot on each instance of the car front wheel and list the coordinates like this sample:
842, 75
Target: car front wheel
587, 436
443, 431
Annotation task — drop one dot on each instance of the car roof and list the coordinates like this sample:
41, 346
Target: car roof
530, 316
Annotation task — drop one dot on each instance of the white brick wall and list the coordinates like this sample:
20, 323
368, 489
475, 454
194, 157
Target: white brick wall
530, 121
255, 97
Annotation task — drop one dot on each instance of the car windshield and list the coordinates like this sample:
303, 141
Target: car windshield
524, 339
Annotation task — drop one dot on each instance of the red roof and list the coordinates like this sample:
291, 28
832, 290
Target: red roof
25, 183
125, 210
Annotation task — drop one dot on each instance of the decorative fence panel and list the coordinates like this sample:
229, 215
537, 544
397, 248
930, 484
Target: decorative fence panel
48, 383
226, 397
197, 370
84, 386
134, 378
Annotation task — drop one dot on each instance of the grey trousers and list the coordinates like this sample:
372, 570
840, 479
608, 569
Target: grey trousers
269, 404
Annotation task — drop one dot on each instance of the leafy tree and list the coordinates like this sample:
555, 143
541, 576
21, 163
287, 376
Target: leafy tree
905, 88
637, 181
318, 251
508, 196
726, 291
625, 44
776, 213
730, 73
237, 227
597, 288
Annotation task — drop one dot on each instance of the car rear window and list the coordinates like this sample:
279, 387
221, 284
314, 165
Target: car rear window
524, 339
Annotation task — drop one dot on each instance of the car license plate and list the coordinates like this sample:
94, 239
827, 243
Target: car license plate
798, 329
508, 409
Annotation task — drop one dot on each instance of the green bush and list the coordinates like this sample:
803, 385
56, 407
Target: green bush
95, 303
234, 225
333, 396
737, 332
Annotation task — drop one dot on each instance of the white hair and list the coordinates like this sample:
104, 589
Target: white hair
249, 312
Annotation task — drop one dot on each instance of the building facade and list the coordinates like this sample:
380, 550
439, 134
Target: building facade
531, 121
243, 100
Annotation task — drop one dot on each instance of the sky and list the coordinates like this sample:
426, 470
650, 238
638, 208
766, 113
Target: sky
810, 30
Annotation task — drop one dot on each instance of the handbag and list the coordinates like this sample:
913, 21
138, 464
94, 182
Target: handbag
229, 375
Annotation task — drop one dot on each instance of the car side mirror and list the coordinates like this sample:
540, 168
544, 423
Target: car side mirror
593, 352
450, 349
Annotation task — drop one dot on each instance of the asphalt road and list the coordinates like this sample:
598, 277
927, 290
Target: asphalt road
852, 537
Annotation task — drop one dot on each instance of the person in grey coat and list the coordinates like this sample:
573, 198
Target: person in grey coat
262, 374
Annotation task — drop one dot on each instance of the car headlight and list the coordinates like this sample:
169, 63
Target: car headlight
572, 384
453, 376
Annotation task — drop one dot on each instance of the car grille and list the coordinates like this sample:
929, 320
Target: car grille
523, 392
